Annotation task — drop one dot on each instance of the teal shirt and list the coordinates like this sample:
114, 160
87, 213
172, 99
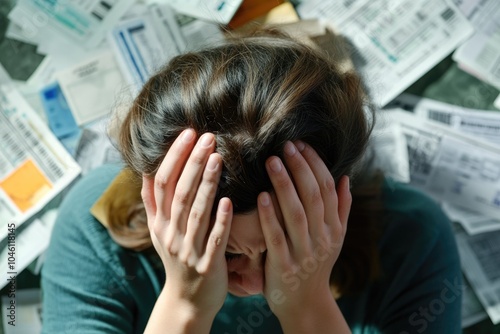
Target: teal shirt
92, 285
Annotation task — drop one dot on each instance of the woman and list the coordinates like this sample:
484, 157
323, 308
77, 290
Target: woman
243, 154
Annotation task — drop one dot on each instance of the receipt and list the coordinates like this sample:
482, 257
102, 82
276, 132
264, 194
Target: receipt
92, 87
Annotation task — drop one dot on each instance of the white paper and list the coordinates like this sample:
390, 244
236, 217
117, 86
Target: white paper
145, 43
17, 33
34, 167
453, 167
219, 11
480, 123
199, 34
471, 221
497, 102
472, 310
396, 41
95, 148
92, 88
480, 55
479, 256
390, 151
84, 22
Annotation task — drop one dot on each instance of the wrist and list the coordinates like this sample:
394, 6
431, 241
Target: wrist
179, 315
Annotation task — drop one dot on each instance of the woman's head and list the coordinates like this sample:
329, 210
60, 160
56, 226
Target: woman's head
254, 94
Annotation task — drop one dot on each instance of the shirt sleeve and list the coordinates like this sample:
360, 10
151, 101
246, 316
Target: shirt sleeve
81, 291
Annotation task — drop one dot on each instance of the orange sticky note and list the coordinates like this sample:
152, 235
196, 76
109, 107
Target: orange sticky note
26, 185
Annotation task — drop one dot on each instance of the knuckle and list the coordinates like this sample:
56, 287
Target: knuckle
161, 182
329, 184
298, 216
195, 216
181, 196
277, 239
316, 197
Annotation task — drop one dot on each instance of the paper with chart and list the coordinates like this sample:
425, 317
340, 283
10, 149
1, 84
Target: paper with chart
453, 167
395, 41
34, 167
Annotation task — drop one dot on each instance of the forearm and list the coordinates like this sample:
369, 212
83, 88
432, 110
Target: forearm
323, 317
177, 317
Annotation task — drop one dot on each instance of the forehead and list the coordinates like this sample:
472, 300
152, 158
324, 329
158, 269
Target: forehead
245, 231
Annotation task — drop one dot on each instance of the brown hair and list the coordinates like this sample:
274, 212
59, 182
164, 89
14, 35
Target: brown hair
253, 94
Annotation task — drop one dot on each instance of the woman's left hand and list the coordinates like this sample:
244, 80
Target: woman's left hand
304, 225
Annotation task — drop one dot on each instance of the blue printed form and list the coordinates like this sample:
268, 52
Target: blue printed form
60, 118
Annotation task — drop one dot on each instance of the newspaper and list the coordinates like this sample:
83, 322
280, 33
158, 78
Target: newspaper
453, 167
480, 55
144, 44
396, 41
84, 22
472, 221
34, 167
480, 123
472, 310
479, 256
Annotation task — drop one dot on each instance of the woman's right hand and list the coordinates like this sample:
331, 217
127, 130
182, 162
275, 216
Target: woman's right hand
178, 204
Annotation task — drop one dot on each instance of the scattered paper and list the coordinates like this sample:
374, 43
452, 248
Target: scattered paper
480, 55
453, 167
34, 167
92, 88
479, 256
395, 42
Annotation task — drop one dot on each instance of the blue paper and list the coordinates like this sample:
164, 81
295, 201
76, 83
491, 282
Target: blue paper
59, 115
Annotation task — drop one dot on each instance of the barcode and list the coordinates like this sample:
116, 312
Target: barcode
102, 9
448, 14
15, 152
440, 116
44, 159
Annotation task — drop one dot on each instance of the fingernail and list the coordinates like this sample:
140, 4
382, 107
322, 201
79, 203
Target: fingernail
290, 149
206, 140
212, 163
188, 136
264, 199
225, 205
275, 165
300, 145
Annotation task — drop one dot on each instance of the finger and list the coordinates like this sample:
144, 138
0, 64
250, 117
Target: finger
147, 194
306, 186
294, 216
274, 236
199, 217
345, 201
219, 235
169, 171
325, 181
189, 181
